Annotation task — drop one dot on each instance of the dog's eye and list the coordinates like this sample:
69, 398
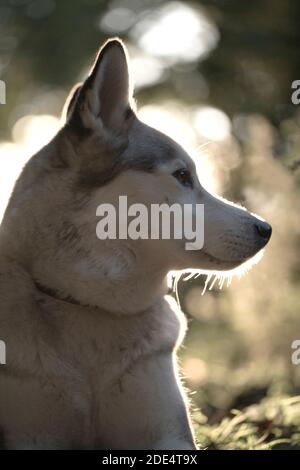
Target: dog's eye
184, 177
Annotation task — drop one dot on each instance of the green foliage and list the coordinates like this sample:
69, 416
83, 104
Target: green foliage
272, 424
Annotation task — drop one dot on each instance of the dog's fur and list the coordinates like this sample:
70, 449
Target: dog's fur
91, 338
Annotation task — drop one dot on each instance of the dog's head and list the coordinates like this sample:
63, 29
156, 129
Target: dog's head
104, 151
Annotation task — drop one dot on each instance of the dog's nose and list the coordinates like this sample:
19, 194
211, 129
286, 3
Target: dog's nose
264, 230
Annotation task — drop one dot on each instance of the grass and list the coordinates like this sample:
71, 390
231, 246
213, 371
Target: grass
274, 423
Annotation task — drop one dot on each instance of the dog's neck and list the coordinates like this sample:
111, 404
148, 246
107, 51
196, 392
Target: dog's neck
133, 297
113, 283
55, 295
128, 295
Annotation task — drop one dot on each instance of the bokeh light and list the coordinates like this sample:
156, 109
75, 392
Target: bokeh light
30, 134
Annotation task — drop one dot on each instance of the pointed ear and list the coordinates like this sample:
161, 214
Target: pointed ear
103, 101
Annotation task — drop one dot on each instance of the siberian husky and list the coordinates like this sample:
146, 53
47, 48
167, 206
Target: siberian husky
91, 337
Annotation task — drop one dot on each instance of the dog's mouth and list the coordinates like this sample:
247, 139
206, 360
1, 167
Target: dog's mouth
221, 264
217, 259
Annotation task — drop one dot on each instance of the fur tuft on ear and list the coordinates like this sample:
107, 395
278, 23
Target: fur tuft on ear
103, 101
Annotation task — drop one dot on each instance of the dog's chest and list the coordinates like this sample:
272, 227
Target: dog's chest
83, 358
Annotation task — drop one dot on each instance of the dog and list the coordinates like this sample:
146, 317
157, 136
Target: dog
91, 337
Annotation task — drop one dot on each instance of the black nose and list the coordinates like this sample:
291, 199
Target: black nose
264, 230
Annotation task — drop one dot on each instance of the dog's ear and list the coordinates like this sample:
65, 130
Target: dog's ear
103, 101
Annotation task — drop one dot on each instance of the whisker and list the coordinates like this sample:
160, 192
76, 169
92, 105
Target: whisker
207, 280
213, 282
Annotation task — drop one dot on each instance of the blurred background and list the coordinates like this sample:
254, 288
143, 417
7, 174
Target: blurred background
215, 75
